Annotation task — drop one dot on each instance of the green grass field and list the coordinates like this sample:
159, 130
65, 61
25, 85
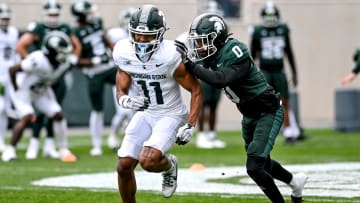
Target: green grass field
322, 146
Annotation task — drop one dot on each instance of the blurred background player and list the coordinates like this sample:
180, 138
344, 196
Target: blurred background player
270, 42
355, 71
95, 64
41, 68
9, 36
31, 40
122, 115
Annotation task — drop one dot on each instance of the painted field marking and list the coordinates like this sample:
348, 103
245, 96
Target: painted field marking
328, 180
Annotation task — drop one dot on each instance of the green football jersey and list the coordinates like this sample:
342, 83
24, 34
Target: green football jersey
272, 43
253, 84
92, 40
40, 29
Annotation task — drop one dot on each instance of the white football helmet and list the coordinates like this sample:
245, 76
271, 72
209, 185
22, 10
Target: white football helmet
5, 16
52, 12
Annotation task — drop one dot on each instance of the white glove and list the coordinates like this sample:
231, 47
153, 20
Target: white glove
96, 60
137, 103
73, 59
184, 134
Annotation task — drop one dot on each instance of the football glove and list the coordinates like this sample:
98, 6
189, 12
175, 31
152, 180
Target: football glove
183, 50
184, 134
137, 103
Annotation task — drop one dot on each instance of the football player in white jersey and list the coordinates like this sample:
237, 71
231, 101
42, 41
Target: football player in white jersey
41, 69
8, 37
122, 115
153, 66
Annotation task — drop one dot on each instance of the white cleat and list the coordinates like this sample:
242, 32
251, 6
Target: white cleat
113, 142
203, 142
96, 151
218, 143
297, 184
170, 178
50, 149
9, 154
33, 149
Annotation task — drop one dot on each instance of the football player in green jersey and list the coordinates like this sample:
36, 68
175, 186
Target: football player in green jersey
270, 42
95, 64
227, 64
32, 40
351, 76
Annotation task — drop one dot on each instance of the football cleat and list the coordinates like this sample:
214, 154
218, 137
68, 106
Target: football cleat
33, 149
297, 185
9, 154
50, 149
170, 178
296, 199
113, 142
96, 151
67, 156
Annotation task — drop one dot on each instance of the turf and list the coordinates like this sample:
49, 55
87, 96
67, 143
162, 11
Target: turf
320, 146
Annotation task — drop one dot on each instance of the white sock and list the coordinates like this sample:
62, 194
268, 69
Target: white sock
60, 128
96, 128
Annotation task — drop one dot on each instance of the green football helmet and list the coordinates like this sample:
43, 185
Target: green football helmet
83, 11
56, 46
270, 15
147, 21
208, 33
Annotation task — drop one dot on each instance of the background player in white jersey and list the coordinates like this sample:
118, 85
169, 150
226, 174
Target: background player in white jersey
153, 66
122, 115
8, 37
30, 41
41, 69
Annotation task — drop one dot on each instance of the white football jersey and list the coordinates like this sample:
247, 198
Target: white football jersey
39, 73
154, 78
8, 54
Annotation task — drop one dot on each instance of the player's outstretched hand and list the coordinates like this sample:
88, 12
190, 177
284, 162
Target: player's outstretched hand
137, 103
184, 134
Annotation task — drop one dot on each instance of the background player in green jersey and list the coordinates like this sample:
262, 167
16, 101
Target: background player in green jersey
31, 40
95, 64
227, 64
270, 43
351, 76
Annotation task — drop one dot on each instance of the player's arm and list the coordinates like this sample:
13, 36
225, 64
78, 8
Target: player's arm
223, 77
24, 42
290, 56
76, 45
13, 70
123, 82
254, 47
108, 42
191, 84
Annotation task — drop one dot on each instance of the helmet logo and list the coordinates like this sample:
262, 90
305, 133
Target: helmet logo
218, 24
54, 41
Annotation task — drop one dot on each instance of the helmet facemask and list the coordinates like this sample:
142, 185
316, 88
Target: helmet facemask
57, 46
201, 46
5, 16
152, 39
52, 13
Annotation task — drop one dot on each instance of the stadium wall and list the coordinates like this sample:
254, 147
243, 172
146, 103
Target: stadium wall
324, 37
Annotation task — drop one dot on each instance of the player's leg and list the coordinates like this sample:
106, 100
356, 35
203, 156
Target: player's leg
3, 121
48, 105
96, 121
33, 146
153, 156
260, 136
25, 111
136, 133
